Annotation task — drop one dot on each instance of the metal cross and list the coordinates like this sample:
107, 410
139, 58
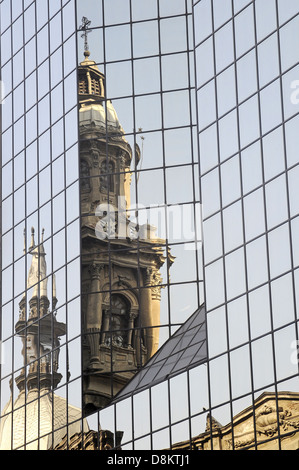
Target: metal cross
84, 27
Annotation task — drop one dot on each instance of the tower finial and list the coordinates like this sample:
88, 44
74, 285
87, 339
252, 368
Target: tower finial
32, 245
84, 27
24, 232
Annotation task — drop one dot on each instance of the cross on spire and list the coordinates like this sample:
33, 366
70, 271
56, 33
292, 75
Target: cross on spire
84, 27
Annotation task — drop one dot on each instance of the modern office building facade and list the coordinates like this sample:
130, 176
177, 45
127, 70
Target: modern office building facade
149, 224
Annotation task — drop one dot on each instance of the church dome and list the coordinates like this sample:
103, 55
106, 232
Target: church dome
45, 419
99, 115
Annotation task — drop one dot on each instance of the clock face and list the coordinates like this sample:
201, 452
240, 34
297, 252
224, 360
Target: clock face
118, 340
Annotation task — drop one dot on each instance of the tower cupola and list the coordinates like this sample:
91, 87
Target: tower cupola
39, 330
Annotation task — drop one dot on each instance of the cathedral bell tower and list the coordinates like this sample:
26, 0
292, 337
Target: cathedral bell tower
121, 261
38, 328
37, 418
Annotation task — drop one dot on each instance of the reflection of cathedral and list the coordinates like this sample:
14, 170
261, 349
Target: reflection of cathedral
37, 419
271, 422
121, 281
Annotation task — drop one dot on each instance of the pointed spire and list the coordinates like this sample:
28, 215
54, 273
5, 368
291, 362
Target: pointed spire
41, 340
37, 276
32, 244
212, 423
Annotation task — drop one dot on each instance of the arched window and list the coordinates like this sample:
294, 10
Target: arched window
107, 176
118, 321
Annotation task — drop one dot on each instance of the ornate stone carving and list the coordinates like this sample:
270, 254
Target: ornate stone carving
148, 276
153, 279
107, 176
95, 158
269, 418
122, 160
245, 441
84, 175
95, 270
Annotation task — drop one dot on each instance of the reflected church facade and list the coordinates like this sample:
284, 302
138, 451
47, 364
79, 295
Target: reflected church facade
121, 260
38, 418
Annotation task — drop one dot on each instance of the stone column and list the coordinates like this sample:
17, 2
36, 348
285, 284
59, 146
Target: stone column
155, 317
132, 317
106, 322
94, 315
145, 308
150, 310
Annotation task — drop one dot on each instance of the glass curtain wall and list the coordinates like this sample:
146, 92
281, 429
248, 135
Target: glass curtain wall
140, 224
246, 68
40, 238
246, 60
149, 216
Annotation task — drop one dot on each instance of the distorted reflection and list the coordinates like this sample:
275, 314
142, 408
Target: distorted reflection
40, 332
121, 260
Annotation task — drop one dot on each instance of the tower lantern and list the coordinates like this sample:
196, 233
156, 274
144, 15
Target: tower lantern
39, 330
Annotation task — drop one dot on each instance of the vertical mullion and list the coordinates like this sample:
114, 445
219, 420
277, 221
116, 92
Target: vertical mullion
140, 285
25, 202
136, 192
244, 228
13, 244
75, 4
167, 248
193, 164
108, 187
288, 209
165, 202
1, 196
51, 136
286, 173
196, 241
266, 234
200, 195
222, 225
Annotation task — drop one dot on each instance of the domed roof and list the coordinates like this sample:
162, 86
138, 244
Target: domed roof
100, 115
44, 427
